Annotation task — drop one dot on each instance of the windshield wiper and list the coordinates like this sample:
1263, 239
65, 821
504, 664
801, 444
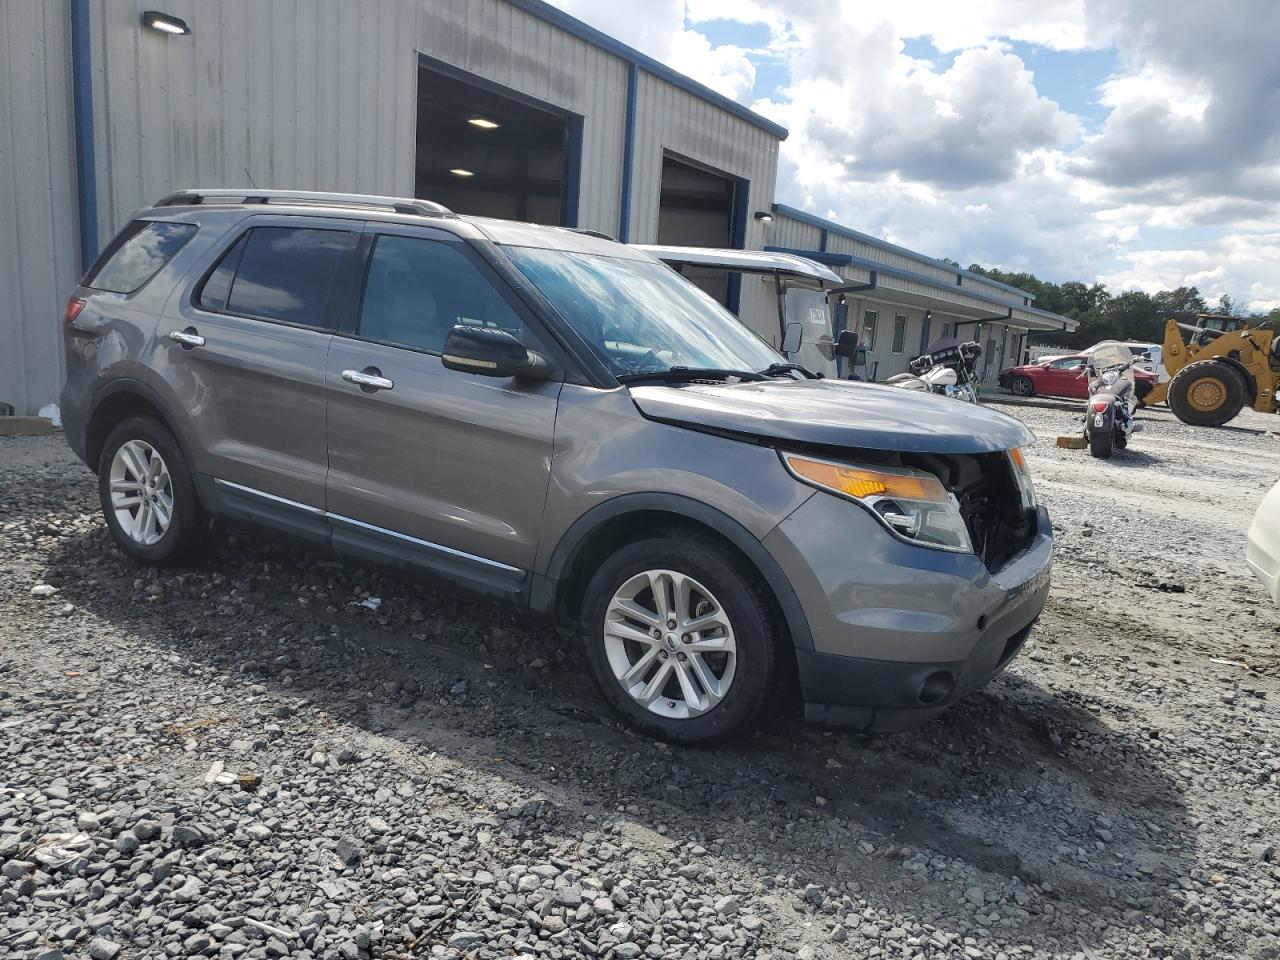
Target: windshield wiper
691, 373
779, 368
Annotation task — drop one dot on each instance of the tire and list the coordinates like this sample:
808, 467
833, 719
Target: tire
718, 587
133, 447
1022, 387
1102, 443
1207, 393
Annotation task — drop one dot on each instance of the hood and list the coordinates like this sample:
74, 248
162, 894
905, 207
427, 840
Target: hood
839, 413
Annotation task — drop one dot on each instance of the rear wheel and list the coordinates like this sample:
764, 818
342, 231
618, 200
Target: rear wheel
1207, 393
1022, 387
1102, 443
147, 494
679, 637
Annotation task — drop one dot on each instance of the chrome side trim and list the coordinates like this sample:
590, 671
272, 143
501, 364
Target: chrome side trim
439, 548
316, 511
240, 488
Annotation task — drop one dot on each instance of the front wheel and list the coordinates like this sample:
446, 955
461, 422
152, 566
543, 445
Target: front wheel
1207, 393
679, 637
1102, 443
1022, 387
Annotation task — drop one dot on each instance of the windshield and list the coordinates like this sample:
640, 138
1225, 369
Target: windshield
641, 317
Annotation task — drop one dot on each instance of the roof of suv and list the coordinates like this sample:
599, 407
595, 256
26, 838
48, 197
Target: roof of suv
400, 209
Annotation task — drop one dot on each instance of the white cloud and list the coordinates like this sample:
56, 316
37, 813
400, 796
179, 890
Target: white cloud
1239, 264
1179, 184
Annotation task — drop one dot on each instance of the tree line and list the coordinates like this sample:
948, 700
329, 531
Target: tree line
1131, 315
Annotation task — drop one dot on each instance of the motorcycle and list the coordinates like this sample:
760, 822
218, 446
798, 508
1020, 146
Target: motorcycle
1113, 398
948, 368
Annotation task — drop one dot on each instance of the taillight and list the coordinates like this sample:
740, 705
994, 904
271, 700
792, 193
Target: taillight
1100, 405
74, 306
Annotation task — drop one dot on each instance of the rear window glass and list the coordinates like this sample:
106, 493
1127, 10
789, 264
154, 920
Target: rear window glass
137, 255
278, 273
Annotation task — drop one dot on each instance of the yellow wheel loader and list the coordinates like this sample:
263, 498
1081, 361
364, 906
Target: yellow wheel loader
1223, 367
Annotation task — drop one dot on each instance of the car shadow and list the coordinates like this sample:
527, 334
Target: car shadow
1027, 787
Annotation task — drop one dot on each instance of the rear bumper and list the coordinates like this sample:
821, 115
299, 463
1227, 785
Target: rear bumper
901, 632
71, 407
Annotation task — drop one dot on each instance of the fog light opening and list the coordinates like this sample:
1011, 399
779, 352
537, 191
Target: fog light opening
937, 687
982, 622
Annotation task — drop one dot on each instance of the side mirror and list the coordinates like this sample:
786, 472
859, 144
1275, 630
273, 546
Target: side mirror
792, 337
847, 345
491, 353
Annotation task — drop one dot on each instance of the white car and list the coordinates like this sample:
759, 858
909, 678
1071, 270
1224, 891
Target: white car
1263, 553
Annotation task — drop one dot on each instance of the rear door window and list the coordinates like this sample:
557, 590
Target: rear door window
278, 273
138, 254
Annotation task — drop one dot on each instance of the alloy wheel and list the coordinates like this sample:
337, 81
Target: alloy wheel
141, 492
670, 644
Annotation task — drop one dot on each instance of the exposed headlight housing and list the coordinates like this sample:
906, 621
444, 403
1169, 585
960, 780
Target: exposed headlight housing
911, 504
1022, 476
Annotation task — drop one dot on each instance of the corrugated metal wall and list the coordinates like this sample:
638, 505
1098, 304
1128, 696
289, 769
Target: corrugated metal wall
38, 228
322, 94
310, 94
668, 118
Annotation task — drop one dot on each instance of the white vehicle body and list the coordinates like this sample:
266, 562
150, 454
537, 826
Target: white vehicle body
1263, 551
798, 296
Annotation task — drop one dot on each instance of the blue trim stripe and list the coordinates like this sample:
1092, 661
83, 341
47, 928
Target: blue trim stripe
86, 162
628, 155
841, 230
558, 18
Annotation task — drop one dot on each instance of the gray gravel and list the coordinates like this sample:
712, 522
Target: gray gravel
236, 760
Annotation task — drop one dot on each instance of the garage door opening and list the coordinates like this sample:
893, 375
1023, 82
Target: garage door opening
485, 152
702, 208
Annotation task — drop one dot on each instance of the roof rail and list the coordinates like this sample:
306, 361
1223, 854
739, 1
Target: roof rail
586, 232
408, 205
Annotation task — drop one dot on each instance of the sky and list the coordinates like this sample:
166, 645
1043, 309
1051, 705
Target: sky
1134, 143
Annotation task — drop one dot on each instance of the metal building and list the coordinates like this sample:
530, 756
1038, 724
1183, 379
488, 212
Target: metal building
502, 107
907, 300
508, 108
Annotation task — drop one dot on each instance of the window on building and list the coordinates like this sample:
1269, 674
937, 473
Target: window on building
418, 290
278, 273
899, 333
138, 254
869, 319
948, 329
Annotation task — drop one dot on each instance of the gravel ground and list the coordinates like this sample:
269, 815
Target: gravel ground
241, 760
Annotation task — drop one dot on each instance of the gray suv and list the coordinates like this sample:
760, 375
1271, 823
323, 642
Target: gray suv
556, 418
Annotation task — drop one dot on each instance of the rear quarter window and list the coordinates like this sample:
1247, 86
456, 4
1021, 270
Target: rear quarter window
277, 273
138, 254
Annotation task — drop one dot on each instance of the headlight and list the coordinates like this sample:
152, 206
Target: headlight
912, 505
1022, 476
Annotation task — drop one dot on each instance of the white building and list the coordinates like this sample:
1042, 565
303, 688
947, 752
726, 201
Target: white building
908, 300
503, 107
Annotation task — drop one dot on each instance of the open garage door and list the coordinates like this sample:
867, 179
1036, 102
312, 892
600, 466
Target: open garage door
488, 152
700, 207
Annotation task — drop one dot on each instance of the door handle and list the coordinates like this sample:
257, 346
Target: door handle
369, 379
188, 338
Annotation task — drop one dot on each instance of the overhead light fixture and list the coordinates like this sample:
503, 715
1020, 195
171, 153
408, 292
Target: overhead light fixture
764, 217
164, 23
461, 172
483, 123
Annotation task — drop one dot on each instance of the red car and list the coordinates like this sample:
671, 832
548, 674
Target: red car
1062, 377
